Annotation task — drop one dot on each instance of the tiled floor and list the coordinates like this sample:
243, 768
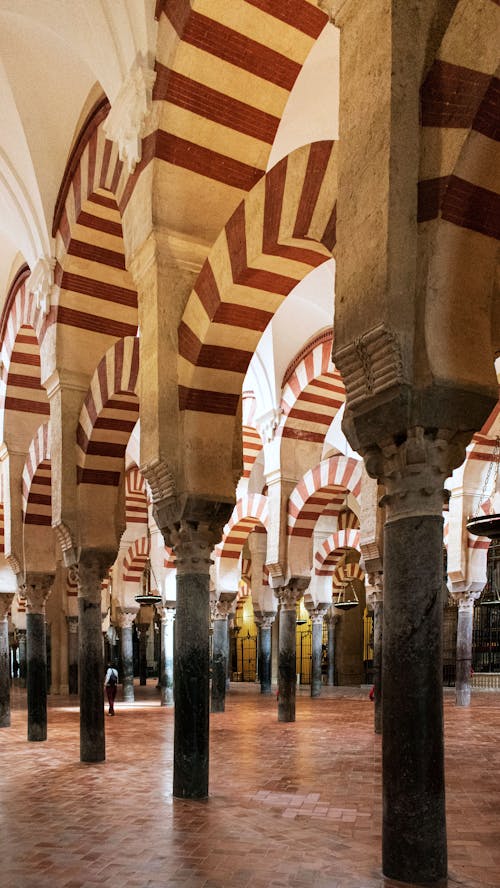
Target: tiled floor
291, 806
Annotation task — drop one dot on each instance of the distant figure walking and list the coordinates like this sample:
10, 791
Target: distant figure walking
111, 683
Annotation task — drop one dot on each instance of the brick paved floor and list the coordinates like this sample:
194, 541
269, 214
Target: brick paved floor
291, 806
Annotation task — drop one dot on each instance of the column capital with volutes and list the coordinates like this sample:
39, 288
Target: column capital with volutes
37, 588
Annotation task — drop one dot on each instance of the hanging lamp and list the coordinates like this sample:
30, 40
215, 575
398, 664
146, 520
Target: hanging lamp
148, 596
487, 525
346, 597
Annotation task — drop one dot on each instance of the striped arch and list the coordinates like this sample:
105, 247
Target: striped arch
332, 549
283, 229
2, 530
313, 391
322, 491
71, 584
20, 310
250, 514
169, 560
37, 480
346, 572
348, 520
136, 501
135, 560
252, 442
96, 294
223, 78
108, 415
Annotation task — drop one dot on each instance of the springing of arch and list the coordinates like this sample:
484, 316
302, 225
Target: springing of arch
322, 491
37, 480
135, 560
108, 416
252, 442
331, 550
283, 229
250, 514
313, 391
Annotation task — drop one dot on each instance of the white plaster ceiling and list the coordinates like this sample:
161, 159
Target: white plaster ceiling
52, 54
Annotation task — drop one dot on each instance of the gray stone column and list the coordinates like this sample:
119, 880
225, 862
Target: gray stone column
220, 654
5, 603
142, 630
21, 640
125, 622
287, 674
265, 623
374, 597
331, 621
465, 601
167, 615
92, 568
37, 590
72, 654
317, 614
192, 542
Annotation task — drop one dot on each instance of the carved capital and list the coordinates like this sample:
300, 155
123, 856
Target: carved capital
317, 615
221, 609
192, 526
5, 603
41, 283
265, 619
465, 599
93, 565
127, 120
126, 618
413, 471
291, 593
374, 588
36, 589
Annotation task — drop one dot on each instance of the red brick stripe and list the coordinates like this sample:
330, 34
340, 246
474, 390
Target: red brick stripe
72, 318
98, 224
430, 196
297, 13
260, 279
214, 357
77, 283
212, 164
451, 95
22, 405
213, 105
97, 476
472, 207
96, 254
317, 163
207, 402
487, 120
242, 316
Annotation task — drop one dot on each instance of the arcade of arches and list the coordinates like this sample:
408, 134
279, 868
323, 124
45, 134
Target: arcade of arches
248, 264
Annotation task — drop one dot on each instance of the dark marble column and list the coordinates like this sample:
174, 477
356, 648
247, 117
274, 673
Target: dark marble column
37, 590
265, 624
5, 603
125, 621
93, 567
193, 542
21, 640
331, 622
142, 629
72, 654
414, 826
317, 649
167, 615
220, 656
374, 598
465, 601
287, 664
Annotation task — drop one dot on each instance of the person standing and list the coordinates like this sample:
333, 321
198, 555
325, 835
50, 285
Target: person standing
111, 683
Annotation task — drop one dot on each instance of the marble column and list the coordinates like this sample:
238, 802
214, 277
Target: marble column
220, 655
374, 597
287, 664
5, 603
265, 624
72, 654
317, 615
92, 568
125, 622
21, 640
192, 542
142, 630
331, 622
37, 590
167, 615
465, 601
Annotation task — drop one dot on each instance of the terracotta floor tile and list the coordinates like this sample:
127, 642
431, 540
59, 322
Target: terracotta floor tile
291, 806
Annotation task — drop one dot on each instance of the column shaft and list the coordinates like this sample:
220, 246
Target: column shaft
91, 677
265, 659
21, 637
414, 826
127, 663
317, 651
287, 677
36, 676
331, 652
143, 655
464, 653
191, 686
4, 674
73, 655
378, 616
220, 654
167, 660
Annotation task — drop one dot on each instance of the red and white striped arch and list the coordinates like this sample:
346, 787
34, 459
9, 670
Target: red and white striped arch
313, 391
135, 560
348, 520
108, 416
37, 480
136, 501
332, 549
322, 491
250, 514
252, 442
284, 228
346, 572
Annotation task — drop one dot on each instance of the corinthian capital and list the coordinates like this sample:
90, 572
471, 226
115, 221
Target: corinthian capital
127, 120
126, 618
37, 588
291, 593
374, 588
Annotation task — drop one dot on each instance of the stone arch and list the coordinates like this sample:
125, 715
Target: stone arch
36, 480
331, 550
135, 560
252, 441
322, 488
